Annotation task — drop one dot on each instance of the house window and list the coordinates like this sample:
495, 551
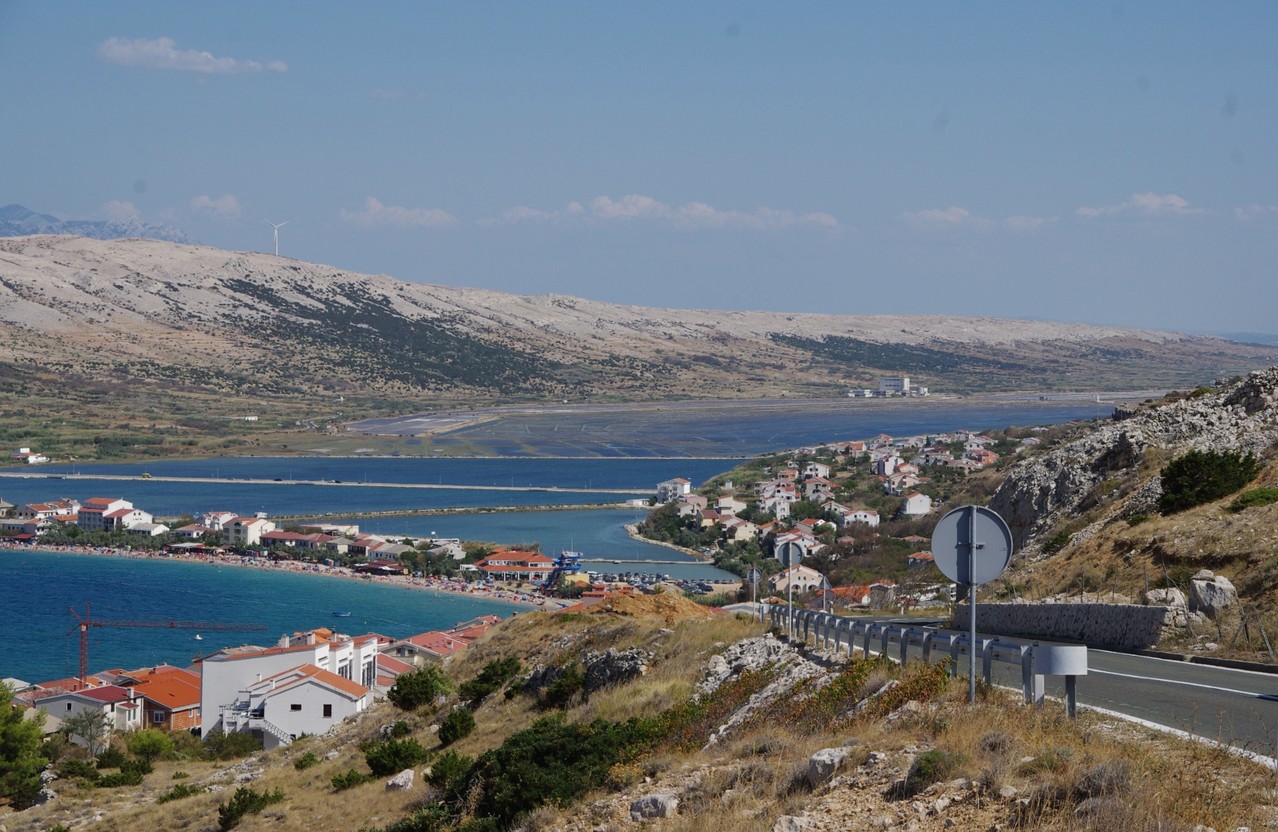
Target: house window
158, 717
328, 710
295, 707
68, 707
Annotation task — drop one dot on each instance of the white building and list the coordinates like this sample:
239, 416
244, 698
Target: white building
104, 514
671, 490
803, 578
247, 531
305, 699
120, 706
229, 698
894, 385
916, 504
28, 456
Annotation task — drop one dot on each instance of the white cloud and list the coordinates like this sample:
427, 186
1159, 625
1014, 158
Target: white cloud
117, 211
162, 53
1256, 211
224, 207
956, 217
377, 213
637, 207
1148, 205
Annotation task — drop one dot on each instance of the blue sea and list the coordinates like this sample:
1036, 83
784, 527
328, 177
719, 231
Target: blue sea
37, 590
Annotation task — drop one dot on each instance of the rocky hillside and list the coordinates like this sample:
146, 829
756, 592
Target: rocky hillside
701, 721
189, 318
1117, 465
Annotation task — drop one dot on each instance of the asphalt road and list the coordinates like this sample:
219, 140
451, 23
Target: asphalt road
1235, 707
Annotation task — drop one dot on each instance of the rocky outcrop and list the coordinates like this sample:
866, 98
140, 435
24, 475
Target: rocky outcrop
654, 806
1038, 492
613, 667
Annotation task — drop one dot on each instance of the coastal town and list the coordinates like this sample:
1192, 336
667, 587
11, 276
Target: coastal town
791, 528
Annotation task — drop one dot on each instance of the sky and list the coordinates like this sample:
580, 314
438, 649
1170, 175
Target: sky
1111, 163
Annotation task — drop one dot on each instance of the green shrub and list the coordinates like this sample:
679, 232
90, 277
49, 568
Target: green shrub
1057, 542
450, 774
178, 792
419, 688
1254, 498
400, 729
150, 744
310, 758
349, 780
393, 756
551, 761
425, 819
930, 767
180, 775
112, 757
219, 745
1203, 476
456, 725
83, 769
120, 778
561, 692
139, 765
245, 801
495, 674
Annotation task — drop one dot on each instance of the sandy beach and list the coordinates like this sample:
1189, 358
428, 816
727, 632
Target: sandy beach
528, 598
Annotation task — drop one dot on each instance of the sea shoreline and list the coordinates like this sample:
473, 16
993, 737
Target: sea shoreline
515, 598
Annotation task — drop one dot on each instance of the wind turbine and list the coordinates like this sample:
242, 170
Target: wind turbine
277, 233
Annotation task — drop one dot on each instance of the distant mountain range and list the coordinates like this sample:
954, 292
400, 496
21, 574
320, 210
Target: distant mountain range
106, 316
19, 221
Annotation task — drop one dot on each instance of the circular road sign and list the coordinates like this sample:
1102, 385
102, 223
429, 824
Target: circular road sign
971, 545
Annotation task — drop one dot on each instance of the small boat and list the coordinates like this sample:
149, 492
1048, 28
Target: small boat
341, 614
199, 637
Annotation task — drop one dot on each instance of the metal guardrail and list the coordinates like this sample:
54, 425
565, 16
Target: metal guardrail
1037, 659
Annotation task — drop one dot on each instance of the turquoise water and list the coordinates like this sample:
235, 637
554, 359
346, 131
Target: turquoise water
38, 589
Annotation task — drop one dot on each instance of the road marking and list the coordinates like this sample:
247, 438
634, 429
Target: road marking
1248, 693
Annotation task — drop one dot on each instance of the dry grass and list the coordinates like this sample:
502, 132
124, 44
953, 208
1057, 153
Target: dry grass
1123, 777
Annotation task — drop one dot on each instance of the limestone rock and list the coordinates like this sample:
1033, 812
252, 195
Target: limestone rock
613, 667
790, 823
1210, 596
46, 794
823, 764
401, 781
654, 806
1175, 602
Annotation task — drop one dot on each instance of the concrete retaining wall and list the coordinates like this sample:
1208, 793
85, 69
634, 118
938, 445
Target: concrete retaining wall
1121, 626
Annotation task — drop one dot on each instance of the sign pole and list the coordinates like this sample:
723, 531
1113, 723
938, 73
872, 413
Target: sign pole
971, 604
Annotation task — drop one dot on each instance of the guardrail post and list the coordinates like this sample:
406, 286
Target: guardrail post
954, 654
988, 647
1071, 695
1027, 672
905, 645
865, 640
927, 647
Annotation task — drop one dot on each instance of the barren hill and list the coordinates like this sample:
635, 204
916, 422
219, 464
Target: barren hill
192, 318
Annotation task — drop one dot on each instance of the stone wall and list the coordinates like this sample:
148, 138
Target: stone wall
1120, 626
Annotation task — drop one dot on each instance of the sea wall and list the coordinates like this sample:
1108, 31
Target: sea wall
1120, 626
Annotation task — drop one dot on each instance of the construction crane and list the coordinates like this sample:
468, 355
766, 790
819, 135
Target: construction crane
86, 621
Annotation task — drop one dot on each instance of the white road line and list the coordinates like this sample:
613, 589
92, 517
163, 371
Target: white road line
1248, 693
